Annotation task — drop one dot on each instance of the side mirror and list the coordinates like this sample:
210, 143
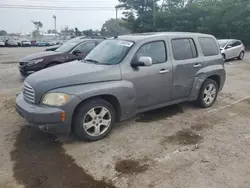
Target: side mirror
143, 61
76, 52
229, 46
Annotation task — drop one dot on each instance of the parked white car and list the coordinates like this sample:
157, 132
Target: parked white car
2, 44
12, 43
231, 48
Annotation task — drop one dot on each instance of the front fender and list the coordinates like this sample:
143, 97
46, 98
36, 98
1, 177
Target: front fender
203, 74
122, 90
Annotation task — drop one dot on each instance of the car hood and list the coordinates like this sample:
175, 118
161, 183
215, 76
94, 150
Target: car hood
72, 73
39, 55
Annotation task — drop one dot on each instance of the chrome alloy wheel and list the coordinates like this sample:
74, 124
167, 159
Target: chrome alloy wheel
209, 94
97, 121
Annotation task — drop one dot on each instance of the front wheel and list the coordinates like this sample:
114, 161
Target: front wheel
208, 93
94, 120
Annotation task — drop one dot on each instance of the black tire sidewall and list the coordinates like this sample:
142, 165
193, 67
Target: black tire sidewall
240, 55
200, 98
82, 111
224, 57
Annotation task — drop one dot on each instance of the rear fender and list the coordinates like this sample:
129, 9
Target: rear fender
205, 73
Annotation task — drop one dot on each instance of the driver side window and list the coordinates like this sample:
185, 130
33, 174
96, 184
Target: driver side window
86, 47
155, 50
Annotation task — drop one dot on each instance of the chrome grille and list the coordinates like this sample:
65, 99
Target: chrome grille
28, 93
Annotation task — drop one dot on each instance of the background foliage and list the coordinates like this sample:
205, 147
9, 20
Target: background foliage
221, 18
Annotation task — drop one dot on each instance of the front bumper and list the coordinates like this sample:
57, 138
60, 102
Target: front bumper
46, 118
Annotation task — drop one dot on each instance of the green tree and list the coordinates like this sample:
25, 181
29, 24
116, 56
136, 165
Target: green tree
222, 18
88, 33
111, 28
37, 25
3, 33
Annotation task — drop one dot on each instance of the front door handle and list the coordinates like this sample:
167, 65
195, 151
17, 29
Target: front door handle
163, 71
197, 65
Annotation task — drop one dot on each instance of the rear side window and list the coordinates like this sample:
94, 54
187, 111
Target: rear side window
237, 43
208, 46
184, 49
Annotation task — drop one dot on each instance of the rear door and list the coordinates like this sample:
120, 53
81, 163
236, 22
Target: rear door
237, 46
186, 64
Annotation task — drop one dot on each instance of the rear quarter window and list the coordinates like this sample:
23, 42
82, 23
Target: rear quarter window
209, 46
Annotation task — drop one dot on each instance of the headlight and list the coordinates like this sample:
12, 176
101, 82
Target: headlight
33, 62
55, 99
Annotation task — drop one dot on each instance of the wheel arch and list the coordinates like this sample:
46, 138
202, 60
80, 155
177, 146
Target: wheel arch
107, 97
199, 81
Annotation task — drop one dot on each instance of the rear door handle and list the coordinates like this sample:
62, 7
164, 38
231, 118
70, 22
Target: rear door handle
197, 65
163, 71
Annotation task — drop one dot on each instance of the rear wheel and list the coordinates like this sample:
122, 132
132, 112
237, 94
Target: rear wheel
208, 93
94, 120
241, 56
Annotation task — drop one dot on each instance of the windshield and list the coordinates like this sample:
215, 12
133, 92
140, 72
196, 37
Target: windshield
67, 46
110, 52
222, 43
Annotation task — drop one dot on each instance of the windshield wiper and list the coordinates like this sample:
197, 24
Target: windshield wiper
95, 61
92, 60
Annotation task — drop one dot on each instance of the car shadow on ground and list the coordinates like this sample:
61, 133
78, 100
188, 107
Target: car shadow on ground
40, 161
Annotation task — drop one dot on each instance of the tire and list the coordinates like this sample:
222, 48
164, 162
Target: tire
203, 100
95, 130
241, 56
224, 57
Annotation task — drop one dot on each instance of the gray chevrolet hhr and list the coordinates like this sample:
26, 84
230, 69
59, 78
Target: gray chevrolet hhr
120, 78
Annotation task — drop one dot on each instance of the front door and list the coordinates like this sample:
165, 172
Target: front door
84, 48
230, 50
152, 83
186, 64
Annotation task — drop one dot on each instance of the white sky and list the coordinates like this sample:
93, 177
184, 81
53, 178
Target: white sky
19, 20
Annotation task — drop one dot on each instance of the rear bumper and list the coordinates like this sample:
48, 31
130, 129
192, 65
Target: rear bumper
46, 118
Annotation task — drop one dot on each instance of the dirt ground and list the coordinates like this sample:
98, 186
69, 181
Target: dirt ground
180, 146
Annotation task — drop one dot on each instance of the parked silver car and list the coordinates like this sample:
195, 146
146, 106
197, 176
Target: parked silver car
120, 78
231, 48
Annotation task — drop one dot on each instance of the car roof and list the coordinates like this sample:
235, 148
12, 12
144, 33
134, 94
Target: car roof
228, 39
82, 39
142, 36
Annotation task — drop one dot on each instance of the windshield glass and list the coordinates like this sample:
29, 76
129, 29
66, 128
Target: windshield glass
110, 52
222, 43
67, 46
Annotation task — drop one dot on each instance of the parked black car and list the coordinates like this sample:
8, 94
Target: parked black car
73, 49
53, 48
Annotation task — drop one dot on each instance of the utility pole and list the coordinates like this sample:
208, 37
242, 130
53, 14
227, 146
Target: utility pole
54, 17
116, 17
154, 14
